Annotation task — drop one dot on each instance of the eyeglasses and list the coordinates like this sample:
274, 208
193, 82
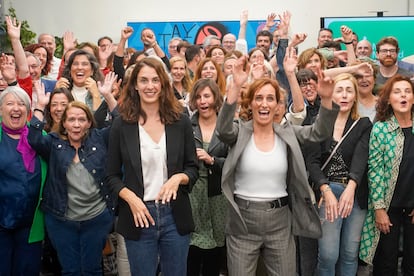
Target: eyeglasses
306, 85
386, 51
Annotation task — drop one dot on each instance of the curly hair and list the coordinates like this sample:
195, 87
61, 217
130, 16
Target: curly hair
384, 109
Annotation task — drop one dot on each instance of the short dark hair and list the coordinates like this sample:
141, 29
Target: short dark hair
104, 37
332, 44
305, 75
191, 52
265, 33
325, 29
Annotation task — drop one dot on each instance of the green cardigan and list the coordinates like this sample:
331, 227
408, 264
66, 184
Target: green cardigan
37, 230
386, 147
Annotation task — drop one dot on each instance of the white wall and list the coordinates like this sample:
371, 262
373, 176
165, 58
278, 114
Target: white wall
91, 19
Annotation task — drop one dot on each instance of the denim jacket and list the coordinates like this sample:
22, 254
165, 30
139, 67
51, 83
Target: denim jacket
59, 155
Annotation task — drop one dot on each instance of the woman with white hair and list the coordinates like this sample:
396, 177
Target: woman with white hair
22, 174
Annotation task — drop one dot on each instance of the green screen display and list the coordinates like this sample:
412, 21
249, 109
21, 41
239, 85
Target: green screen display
375, 28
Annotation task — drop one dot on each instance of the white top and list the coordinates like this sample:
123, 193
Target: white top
154, 164
261, 176
54, 71
79, 93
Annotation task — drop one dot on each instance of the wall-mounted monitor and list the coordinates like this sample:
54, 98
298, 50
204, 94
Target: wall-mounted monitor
374, 28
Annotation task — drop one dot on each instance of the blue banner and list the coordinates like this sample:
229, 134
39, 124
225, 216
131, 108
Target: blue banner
192, 31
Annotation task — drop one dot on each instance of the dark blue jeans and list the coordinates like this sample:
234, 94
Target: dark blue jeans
79, 244
17, 256
162, 242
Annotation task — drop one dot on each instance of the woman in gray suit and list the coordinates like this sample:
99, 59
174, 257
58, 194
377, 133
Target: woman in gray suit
264, 177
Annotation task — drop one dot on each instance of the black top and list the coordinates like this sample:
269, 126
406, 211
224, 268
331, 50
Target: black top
354, 153
404, 189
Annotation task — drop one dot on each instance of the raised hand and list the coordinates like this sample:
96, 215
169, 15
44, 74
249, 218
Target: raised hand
284, 23
270, 21
8, 68
42, 97
13, 28
244, 17
69, 40
126, 32
346, 33
92, 87
297, 39
105, 88
290, 61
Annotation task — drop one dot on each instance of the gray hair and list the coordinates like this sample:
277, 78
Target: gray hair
207, 40
18, 93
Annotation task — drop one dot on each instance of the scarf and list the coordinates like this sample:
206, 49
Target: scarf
28, 154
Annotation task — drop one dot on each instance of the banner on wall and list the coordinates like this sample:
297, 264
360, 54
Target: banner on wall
192, 31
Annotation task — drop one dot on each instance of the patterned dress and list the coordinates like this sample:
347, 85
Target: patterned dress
208, 213
385, 154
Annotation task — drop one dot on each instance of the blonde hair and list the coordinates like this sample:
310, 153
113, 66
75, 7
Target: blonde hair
346, 76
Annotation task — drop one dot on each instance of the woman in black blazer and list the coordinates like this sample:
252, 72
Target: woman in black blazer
152, 167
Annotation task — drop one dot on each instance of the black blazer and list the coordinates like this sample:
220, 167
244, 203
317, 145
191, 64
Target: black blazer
124, 170
218, 150
354, 149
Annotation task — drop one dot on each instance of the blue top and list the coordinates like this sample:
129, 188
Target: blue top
19, 189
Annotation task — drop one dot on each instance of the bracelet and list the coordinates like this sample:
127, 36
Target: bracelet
153, 44
12, 83
347, 43
326, 190
41, 111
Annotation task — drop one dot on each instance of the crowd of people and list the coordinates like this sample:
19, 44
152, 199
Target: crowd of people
210, 159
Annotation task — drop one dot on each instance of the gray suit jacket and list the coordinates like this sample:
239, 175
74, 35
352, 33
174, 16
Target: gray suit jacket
301, 198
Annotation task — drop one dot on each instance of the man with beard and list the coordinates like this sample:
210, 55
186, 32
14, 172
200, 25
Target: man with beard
387, 53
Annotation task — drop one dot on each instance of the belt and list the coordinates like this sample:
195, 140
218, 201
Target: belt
262, 205
341, 180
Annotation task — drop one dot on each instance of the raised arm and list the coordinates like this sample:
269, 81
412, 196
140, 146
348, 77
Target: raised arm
13, 30
290, 63
347, 38
126, 32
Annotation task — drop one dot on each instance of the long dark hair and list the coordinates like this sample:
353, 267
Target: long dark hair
96, 72
48, 118
130, 103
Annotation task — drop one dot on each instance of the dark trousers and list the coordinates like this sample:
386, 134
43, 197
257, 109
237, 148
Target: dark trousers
17, 256
386, 256
204, 262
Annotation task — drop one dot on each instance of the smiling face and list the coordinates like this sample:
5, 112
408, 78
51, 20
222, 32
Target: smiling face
217, 55
366, 82
41, 54
13, 112
344, 95
58, 103
34, 67
209, 71
148, 86
264, 105
401, 98
80, 70
387, 55
309, 90
76, 125
178, 71
314, 63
